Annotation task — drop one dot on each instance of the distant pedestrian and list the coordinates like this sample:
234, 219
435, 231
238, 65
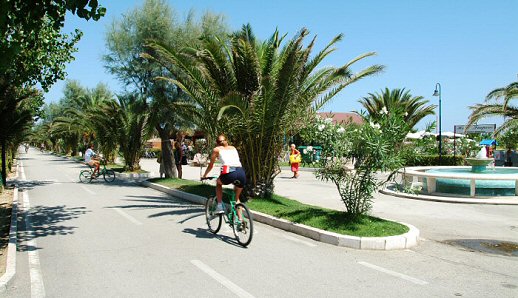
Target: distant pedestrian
295, 160
508, 159
178, 154
185, 152
161, 162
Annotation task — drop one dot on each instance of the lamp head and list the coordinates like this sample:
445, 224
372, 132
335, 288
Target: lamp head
436, 92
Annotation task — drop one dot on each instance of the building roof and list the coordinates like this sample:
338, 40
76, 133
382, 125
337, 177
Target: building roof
342, 117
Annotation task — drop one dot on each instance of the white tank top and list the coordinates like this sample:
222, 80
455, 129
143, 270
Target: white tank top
229, 157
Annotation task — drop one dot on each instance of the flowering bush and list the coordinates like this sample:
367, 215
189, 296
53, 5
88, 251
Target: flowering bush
352, 154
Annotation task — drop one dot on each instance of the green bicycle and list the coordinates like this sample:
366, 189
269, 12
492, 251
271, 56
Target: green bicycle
243, 228
86, 176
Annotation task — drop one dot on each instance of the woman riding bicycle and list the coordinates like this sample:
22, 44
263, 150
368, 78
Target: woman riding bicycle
231, 170
92, 160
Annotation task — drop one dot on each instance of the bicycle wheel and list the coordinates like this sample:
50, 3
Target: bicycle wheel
213, 219
85, 176
109, 175
244, 228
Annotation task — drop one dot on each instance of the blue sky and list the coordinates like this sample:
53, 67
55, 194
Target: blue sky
469, 47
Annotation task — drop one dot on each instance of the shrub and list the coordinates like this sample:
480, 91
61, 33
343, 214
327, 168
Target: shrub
433, 160
351, 156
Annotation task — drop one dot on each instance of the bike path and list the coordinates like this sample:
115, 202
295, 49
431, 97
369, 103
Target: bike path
127, 241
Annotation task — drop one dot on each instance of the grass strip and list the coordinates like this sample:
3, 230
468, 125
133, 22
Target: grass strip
295, 211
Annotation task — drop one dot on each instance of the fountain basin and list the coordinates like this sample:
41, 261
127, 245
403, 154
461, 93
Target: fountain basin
479, 165
461, 181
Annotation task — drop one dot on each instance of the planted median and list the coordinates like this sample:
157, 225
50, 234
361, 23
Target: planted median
294, 211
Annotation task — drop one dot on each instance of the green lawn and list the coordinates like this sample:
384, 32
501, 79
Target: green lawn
321, 218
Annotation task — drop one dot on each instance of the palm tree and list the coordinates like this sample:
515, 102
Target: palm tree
18, 106
501, 107
253, 91
125, 120
413, 108
74, 124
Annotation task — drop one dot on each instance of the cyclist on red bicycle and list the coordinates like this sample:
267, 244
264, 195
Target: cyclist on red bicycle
231, 170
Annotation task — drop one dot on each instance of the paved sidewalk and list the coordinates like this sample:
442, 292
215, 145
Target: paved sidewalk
437, 221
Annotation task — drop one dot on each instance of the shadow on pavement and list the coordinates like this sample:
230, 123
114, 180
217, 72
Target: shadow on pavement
47, 221
176, 207
31, 184
205, 234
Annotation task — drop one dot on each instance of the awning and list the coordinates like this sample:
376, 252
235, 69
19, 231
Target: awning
488, 142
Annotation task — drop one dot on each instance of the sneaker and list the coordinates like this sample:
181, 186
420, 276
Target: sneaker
220, 209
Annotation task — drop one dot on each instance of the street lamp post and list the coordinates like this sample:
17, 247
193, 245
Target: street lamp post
437, 92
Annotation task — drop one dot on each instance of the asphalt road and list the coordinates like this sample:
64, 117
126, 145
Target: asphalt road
123, 240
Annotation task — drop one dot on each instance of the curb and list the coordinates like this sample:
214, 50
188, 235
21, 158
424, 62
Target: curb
10, 269
127, 177
404, 241
455, 200
132, 177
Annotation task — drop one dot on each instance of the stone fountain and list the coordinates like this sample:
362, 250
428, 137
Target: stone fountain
480, 161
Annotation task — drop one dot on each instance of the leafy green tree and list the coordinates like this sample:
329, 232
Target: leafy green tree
168, 108
32, 27
125, 120
501, 106
33, 49
257, 89
509, 138
353, 154
23, 105
415, 107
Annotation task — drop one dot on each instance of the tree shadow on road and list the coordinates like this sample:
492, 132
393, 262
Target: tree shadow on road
46, 221
174, 206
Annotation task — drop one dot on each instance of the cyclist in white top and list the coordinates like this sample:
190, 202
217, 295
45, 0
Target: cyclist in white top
92, 160
231, 169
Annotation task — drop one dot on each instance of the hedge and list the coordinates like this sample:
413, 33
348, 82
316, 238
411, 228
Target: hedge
433, 160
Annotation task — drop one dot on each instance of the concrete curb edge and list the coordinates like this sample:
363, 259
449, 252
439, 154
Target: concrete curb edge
452, 200
404, 241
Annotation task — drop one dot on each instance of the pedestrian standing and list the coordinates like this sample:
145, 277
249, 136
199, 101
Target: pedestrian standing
161, 162
178, 154
295, 160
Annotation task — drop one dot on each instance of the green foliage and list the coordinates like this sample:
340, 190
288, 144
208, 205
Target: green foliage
169, 109
18, 107
34, 51
433, 160
498, 103
509, 138
320, 218
352, 154
70, 123
256, 91
124, 120
415, 107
